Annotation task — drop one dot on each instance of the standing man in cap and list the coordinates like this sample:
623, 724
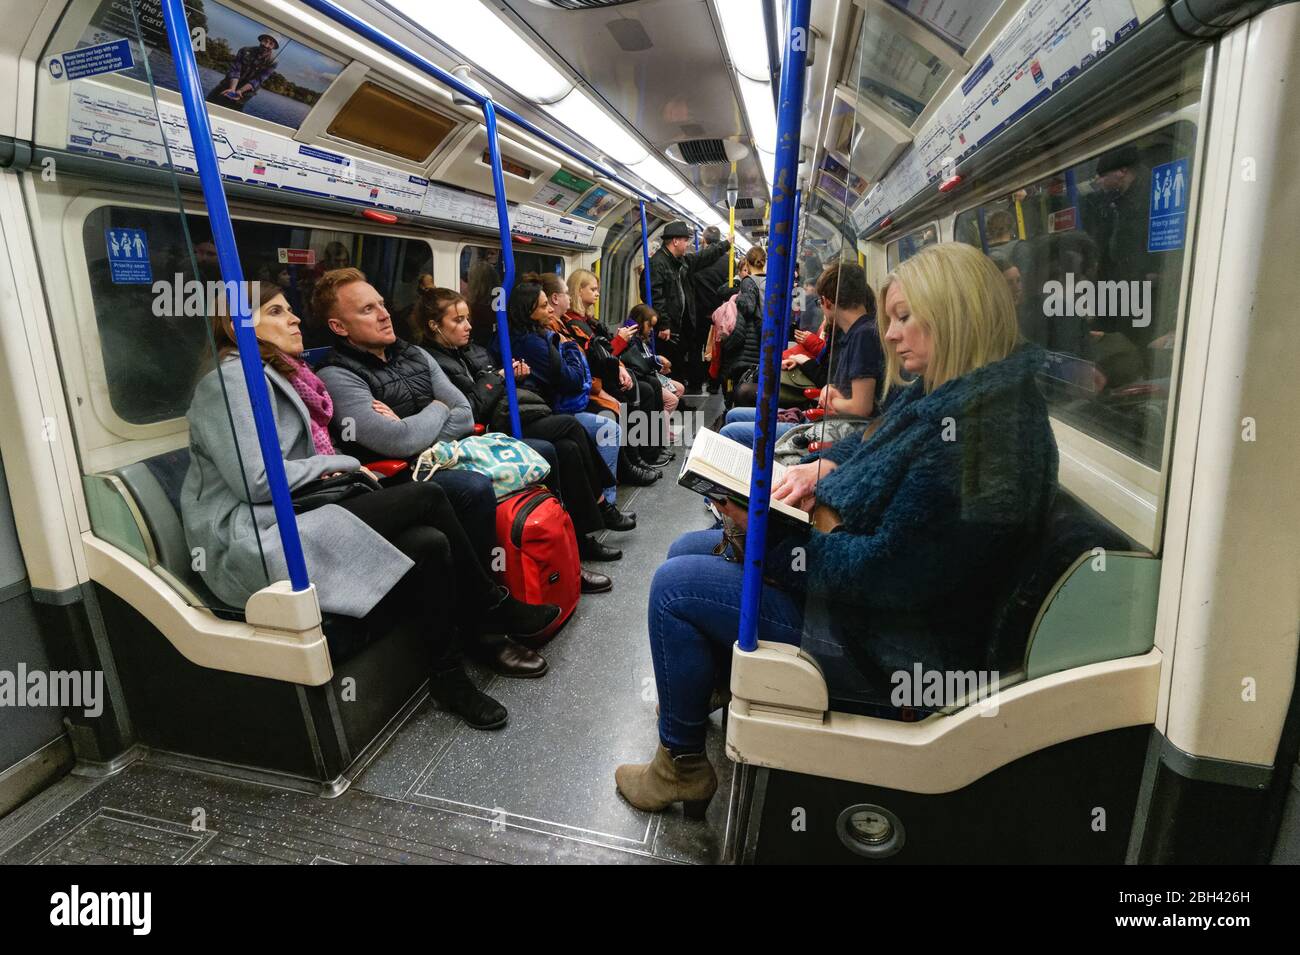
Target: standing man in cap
670, 268
252, 66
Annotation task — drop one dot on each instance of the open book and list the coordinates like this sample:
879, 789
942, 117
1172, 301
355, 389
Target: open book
720, 467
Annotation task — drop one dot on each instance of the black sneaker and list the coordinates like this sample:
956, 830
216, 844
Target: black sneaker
456, 693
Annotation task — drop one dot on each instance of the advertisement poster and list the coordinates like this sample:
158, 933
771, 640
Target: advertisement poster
243, 65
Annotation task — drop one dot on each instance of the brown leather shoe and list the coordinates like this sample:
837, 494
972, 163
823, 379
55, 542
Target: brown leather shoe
507, 658
594, 583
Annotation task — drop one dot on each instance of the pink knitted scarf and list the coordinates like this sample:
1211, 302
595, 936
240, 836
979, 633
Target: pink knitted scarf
316, 397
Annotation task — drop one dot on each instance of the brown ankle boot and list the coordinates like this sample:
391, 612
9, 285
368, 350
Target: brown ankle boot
656, 785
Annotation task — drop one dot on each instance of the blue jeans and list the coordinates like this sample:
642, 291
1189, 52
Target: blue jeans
740, 426
694, 615
608, 437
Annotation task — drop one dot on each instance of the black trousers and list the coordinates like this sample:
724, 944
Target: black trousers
582, 474
693, 372
448, 582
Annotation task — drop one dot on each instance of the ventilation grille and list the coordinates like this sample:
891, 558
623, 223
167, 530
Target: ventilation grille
745, 202
703, 152
751, 223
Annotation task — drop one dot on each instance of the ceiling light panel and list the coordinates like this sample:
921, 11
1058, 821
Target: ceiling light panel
490, 44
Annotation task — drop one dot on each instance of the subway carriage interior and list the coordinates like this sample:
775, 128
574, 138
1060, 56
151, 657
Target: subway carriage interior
1127, 166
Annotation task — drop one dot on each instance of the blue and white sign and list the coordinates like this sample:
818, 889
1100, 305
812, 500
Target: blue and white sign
1167, 222
92, 60
128, 256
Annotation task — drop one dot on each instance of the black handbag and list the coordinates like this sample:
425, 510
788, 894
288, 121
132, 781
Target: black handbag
532, 408
332, 490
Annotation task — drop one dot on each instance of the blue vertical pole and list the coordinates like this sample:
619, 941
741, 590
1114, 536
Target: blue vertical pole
507, 265
794, 250
645, 257
776, 306
645, 276
232, 274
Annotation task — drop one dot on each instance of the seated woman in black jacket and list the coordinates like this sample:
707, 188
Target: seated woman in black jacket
441, 324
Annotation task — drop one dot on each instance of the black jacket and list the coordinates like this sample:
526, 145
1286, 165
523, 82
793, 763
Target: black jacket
668, 276
705, 284
744, 346
472, 370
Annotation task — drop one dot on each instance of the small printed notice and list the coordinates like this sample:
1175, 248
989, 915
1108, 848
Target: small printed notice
1167, 223
92, 60
296, 256
128, 256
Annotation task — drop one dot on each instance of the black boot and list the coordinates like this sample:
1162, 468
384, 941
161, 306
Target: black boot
616, 520
591, 549
594, 583
517, 619
661, 458
455, 692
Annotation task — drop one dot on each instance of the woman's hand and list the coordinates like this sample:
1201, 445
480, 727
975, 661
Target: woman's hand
800, 335
521, 368
787, 364
800, 358
665, 365
383, 410
370, 474
798, 485
624, 377
738, 515
665, 334
625, 333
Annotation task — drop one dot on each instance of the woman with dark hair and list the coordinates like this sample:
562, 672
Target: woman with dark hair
358, 549
441, 323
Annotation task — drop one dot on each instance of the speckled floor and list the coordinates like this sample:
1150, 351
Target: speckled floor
540, 790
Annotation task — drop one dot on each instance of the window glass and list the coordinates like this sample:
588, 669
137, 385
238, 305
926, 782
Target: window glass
895, 73
1094, 255
153, 354
902, 249
481, 272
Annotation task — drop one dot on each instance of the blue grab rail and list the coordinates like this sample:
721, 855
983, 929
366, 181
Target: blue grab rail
794, 242
645, 258
776, 308
232, 274
507, 264
382, 40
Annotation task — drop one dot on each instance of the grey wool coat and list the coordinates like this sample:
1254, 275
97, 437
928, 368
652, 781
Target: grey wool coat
227, 511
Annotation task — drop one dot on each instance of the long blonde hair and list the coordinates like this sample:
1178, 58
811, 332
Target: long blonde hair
960, 298
579, 278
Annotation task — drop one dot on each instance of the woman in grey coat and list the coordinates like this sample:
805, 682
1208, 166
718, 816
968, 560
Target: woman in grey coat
357, 550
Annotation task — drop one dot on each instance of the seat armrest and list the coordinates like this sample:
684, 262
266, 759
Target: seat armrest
780, 675
388, 468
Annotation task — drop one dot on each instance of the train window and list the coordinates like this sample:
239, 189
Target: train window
481, 272
153, 351
1095, 257
902, 249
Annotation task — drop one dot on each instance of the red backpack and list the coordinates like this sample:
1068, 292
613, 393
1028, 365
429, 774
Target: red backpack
541, 553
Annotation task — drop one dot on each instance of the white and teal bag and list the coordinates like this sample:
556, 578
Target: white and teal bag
511, 464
